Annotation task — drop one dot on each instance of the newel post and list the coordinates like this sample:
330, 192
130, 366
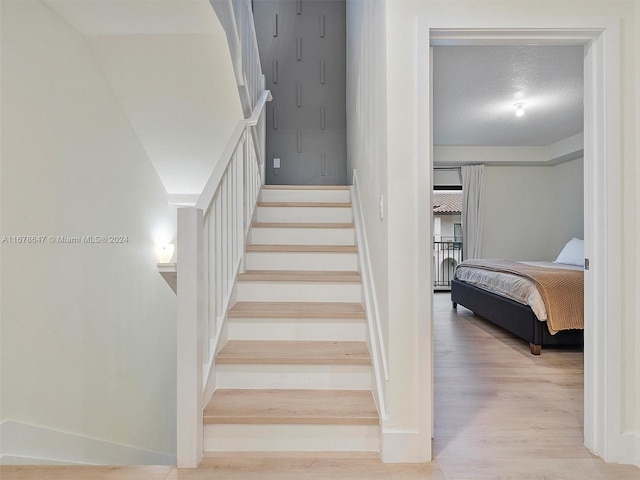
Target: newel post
189, 333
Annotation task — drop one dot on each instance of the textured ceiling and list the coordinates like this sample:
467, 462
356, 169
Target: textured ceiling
475, 89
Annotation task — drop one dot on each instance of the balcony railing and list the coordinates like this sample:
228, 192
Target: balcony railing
447, 255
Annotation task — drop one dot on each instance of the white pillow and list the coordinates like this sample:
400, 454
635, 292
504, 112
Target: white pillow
572, 253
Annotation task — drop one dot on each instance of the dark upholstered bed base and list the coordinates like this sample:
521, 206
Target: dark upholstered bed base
512, 316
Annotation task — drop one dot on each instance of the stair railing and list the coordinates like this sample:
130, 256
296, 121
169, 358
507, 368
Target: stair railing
210, 254
236, 17
212, 234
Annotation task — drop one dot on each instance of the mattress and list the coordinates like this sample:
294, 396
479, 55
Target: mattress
519, 289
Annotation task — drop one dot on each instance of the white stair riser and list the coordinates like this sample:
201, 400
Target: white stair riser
301, 261
303, 236
298, 292
292, 438
270, 195
296, 329
306, 376
304, 214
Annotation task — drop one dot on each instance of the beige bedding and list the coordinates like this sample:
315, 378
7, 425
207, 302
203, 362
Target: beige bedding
561, 290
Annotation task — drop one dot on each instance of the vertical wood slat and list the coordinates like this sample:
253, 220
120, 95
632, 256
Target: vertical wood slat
322, 71
218, 260
210, 286
322, 117
299, 7
240, 208
205, 278
228, 219
299, 141
275, 71
275, 26
299, 49
322, 25
225, 230
299, 95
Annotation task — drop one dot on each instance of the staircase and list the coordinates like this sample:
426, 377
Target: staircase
295, 372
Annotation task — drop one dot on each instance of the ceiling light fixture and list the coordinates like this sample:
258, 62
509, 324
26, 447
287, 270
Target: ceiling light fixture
519, 109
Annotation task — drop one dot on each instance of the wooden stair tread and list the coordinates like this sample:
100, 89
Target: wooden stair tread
300, 225
293, 352
330, 276
303, 248
306, 204
334, 310
305, 187
280, 406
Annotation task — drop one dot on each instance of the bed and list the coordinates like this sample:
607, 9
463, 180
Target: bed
540, 302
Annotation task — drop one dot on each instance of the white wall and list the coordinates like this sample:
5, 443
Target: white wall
531, 212
170, 68
383, 170
391, 244
182, 100
631, 242
88, 331
366, 129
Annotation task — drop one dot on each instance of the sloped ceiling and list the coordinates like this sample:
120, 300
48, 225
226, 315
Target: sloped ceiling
168, 64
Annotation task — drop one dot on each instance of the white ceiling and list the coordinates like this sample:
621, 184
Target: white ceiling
475, 89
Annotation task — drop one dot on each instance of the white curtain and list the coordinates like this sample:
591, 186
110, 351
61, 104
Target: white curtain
472, 209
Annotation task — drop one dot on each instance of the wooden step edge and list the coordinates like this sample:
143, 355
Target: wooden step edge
210, 419
301, 314
305, 187
311, 310
300, 276
303, 248
291, 406
305, 204
212, 456
222, 359
301, 225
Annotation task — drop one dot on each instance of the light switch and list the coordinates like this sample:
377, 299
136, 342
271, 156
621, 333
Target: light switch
276, 163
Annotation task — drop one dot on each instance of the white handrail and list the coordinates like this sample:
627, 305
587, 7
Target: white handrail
211, 187
376, 340
265, 97
206, 197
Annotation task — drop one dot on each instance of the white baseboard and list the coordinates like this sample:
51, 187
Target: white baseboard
24, 444
405, 447
631, 448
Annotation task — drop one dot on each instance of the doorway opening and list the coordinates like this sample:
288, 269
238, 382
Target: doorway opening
602, 387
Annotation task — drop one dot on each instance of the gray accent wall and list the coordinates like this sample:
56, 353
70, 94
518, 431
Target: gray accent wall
302, 47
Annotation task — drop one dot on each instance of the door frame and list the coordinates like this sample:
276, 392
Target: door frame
600, 36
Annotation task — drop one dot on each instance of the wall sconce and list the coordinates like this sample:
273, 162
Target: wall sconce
165, 252
519, 109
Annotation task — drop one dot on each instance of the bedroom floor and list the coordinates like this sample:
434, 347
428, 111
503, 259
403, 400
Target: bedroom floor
500, 413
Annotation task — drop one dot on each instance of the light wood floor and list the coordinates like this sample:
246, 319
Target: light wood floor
501, 413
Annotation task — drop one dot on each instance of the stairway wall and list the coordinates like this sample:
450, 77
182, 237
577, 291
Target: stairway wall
303, 52
88, 330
